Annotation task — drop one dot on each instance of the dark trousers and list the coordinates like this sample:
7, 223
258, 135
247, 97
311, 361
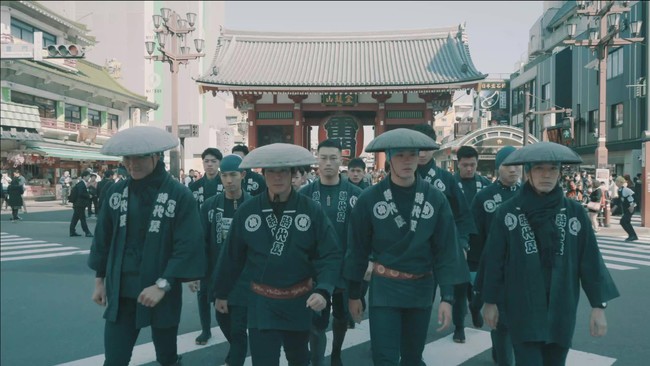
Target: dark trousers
78, 214
266, 344
540, 354
93, 202
14, 213
626, 223
233, 325
205, 315
120, 337
398, 333
502, 342
459, 309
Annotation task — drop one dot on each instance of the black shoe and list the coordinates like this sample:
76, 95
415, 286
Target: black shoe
477, 319
202, 339
632, 238
89, 235
75, 234
459, 335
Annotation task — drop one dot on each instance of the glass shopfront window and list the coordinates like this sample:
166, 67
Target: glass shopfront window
94, 118
113, 122
72, 113
46, 107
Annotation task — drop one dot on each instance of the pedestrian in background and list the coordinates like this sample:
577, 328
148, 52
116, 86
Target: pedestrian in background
596, 196
92, 191
65, 181
627, 205
102, 188
216, 218
357, 173
444, 181
202, 189
540, 248
254, 182
21, 180
80, 199
470, 183
15, 198
148, 241
337, 196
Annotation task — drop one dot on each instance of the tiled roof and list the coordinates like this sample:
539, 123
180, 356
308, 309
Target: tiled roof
414, 59
91, 74
19, 115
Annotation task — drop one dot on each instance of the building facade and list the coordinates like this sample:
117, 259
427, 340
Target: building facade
122, 27
561, 76
57, 112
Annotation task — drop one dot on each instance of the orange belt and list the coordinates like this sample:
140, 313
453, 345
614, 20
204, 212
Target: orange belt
292, 292
383, 271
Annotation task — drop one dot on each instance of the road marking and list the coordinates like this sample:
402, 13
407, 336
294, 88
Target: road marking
443, 351
624, 260
38, 256
619, 267
39, 250
638, 250
146, 353
579, 358
10, 236
633, 255
22, 243
29, 246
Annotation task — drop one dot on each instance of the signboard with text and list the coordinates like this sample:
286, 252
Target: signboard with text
346, 99
347, 130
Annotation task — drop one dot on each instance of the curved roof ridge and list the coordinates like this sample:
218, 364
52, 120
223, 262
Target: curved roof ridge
245, 35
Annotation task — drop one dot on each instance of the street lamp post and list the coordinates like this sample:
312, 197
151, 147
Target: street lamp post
171, 33
601, 40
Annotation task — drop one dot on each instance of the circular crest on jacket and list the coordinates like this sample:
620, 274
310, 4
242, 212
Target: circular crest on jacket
402, 138
543, 152
139, 140
278, 156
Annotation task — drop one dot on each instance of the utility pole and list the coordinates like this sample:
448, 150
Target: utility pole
526, 114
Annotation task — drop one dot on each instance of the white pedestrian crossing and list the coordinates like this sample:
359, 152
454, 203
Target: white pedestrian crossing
443, 351
623, 256
17, 248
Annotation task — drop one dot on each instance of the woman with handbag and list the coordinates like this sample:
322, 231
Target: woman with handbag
594, 205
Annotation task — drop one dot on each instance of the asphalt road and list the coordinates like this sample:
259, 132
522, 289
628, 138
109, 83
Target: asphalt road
49, 319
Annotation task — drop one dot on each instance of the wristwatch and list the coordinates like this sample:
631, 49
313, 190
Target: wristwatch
602, 306
163, 284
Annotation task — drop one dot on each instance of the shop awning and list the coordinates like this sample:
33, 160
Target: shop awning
74, 154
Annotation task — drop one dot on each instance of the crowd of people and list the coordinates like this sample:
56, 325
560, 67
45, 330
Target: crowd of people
283, 255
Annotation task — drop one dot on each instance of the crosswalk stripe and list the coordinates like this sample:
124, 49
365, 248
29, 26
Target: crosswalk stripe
443, 351
636, 250
624, 260
6, 249
39, 256
22, 243
633, 255
5, 237
38, 251
619, 267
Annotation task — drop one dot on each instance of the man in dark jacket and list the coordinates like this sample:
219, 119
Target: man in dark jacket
540, 249
102, 188
148, 240
81, 201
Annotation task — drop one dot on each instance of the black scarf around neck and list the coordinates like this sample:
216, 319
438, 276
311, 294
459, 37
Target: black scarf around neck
540, 211
147, 187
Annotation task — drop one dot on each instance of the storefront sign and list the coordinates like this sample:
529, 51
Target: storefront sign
493, 85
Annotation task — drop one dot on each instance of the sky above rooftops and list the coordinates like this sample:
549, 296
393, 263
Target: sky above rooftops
497, 30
